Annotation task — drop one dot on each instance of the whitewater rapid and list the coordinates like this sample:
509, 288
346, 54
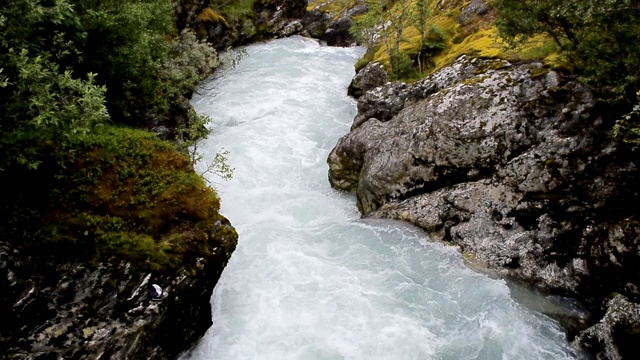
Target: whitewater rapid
309, 280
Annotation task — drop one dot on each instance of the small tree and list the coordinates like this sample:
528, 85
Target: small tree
365, 28
601, 38
431, 36
398, 16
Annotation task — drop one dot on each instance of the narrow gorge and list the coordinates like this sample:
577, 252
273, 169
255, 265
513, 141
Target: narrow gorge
309, 279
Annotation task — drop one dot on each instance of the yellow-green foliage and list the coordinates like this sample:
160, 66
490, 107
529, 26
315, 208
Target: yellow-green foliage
208, 14
134, 196
479, 44
478, 38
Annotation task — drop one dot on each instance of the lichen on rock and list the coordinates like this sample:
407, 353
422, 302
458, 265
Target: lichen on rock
512, 163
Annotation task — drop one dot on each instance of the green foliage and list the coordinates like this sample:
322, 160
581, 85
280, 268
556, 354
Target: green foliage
385, 24
63, 61
126, 193
70, 71
366, 27
39, 100
192, 135
404, 67
600, 38
132, 195
126, 45
189, 62
234, 11
628, 127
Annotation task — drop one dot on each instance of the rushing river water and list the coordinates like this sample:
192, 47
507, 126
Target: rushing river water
309, 280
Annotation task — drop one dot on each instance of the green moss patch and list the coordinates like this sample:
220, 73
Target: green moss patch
128, 195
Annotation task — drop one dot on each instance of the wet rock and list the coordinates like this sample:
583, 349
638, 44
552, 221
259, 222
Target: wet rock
338, 33
316, 23
616, 335
368, 78
475, 8
272, 19
333, 27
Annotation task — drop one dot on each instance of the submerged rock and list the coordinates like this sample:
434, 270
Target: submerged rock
512, 163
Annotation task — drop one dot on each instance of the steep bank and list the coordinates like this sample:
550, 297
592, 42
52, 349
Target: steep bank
129, 212
514, 164
94, 213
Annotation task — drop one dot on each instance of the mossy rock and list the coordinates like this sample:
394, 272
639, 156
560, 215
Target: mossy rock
126, 194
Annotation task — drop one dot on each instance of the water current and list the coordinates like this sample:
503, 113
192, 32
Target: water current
309, 279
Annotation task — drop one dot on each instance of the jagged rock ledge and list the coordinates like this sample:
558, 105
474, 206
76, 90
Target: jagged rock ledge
515, 165
79, 255
79, 309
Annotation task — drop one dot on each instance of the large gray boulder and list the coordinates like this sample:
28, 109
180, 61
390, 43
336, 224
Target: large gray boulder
514, 164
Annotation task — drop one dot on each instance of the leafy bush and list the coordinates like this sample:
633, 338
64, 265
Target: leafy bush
628, 127
41, 100
70, 72
601, 39
71, 65
384, 26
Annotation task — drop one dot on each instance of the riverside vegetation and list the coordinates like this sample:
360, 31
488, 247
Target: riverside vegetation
77, 79
595, 40
100, 197
81, 82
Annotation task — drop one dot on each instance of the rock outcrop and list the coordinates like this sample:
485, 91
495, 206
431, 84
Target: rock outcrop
81, 250
368, 78
333, 26
514, 164
71, 308
266, 20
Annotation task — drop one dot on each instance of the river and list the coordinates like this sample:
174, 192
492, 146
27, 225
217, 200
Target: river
309, 279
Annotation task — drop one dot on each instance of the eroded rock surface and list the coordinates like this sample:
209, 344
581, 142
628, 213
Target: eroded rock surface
71, 308
512, 163
615, 335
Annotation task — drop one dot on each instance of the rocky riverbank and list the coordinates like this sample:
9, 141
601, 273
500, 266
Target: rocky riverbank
76, 309
515, 165
132, 213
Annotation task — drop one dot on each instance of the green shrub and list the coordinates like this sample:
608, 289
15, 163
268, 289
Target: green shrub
601, 39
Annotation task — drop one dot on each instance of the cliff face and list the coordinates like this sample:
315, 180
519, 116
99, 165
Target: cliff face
73, 309
515, 165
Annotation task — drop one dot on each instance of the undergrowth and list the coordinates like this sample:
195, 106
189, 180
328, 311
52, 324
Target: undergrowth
126, 194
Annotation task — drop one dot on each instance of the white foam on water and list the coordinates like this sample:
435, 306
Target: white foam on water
309, 280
